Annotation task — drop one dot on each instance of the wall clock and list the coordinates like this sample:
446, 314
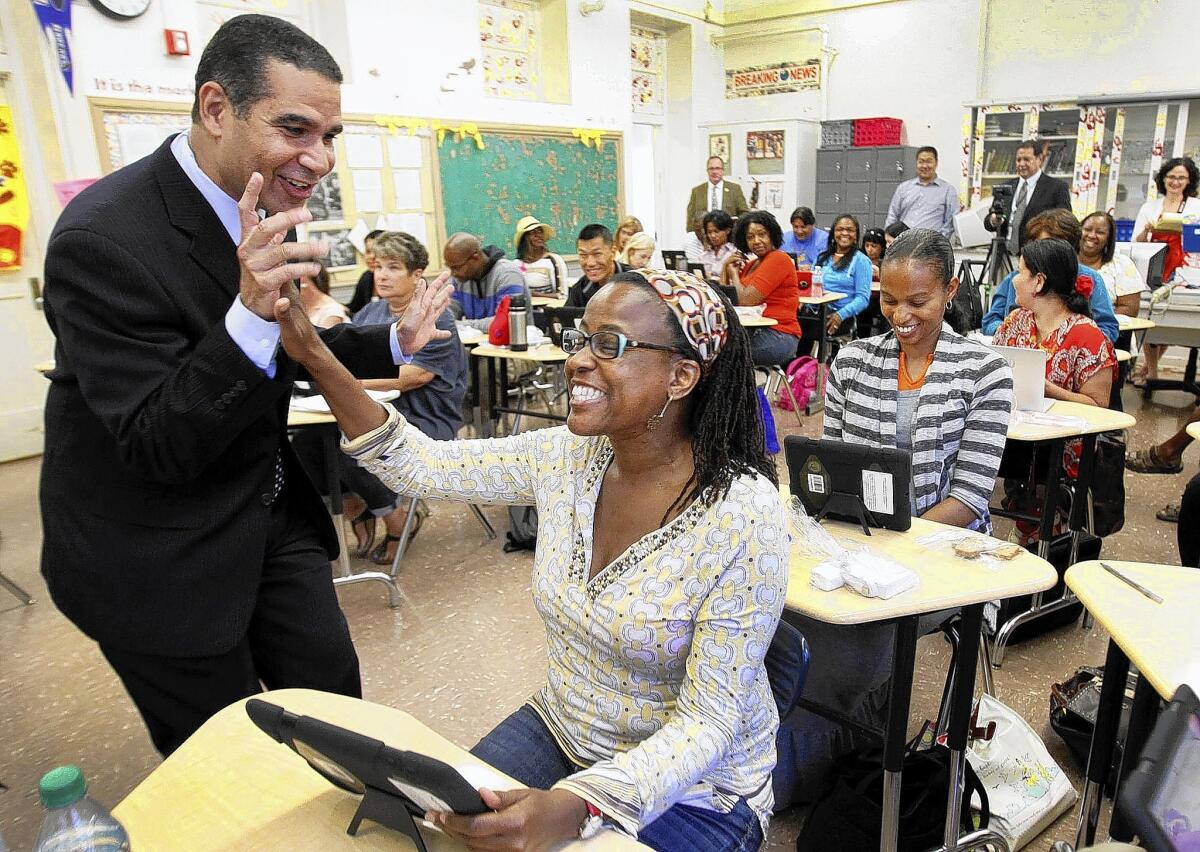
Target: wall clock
122, 10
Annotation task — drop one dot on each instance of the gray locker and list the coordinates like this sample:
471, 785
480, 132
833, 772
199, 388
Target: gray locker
830, 197
860, 164
883, 200
895, 164
860, 201
829, 165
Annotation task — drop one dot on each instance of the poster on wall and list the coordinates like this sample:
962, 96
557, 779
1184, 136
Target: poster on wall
646, 49
341, 253
14, 198
325, 203
719, 145
758, 80
764, 151
772, 195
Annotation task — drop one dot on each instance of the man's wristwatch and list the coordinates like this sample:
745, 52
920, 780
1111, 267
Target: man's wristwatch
592, 823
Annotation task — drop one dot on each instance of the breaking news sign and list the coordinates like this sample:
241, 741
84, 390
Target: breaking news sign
773, 79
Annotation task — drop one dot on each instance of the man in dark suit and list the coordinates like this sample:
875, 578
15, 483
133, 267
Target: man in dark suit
1033, 192
716, 193
180, 532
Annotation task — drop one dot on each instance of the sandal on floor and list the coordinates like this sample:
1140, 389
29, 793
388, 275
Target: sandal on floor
1168, 513
385, 551
364, 543
1149, 461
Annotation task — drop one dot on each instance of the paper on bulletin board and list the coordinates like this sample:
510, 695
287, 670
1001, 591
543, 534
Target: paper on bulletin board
368, 189
409, 223
404, 152
14, 198
363, 151
139, 140
358, 236
407, 185
65, 190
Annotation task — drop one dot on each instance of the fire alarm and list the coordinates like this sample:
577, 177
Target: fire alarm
177, 43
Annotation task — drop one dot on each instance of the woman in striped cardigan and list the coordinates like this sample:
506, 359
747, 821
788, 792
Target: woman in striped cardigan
947, 400
924, 388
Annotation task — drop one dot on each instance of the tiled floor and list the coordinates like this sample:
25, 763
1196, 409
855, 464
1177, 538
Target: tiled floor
463, 651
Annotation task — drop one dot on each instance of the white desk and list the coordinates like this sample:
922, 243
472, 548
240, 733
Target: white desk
1161, 639
947, 581
230, 786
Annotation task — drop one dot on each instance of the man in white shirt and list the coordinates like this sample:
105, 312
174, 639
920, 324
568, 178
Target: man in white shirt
926, 201
716, 194
1033, 192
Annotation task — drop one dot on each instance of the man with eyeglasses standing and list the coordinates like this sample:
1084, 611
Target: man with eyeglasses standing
716, 193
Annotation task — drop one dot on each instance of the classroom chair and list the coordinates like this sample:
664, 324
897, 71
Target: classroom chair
787, 663
775, 378
21, 594
414, 505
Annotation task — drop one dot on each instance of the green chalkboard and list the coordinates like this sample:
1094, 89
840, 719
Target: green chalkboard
552, 176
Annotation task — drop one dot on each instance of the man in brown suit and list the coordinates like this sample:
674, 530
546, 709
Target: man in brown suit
716, 194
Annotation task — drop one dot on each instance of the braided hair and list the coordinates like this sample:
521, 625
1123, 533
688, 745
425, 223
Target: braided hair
723, 419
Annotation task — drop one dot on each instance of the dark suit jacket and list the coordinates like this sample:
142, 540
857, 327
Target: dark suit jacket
1050, 193
733, 202
160, 433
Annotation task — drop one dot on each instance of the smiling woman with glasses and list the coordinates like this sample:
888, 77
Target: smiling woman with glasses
660, 571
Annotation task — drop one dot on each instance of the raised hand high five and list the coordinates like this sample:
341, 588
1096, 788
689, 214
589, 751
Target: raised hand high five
267, 262
419, 323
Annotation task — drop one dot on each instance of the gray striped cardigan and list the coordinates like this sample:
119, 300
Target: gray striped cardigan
960, 422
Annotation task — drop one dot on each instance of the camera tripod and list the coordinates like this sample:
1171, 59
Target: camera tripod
993, 269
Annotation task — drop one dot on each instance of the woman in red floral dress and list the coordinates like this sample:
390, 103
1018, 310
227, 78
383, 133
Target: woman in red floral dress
1053, 315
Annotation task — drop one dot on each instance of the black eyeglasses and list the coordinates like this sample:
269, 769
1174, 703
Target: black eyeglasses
607, 344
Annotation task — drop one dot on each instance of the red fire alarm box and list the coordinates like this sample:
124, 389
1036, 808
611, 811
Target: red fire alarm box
177, 42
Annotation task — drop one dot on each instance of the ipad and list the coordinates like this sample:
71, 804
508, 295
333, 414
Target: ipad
366, 766
840, 480
1161, 796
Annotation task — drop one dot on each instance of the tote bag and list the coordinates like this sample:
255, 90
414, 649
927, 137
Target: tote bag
1026, 789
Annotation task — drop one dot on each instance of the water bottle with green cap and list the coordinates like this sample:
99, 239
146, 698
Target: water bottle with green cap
74, 822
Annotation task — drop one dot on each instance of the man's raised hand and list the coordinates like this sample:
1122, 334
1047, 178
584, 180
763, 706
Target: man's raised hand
267, 262
419, 324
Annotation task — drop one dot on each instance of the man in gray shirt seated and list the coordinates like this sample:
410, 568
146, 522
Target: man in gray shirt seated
482, 278
926, 201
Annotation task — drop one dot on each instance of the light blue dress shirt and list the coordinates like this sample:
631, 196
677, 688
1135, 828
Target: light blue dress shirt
255, 336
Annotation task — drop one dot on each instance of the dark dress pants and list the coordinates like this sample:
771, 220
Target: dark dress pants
298, 637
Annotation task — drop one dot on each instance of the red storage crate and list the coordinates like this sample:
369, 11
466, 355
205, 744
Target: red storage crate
870, 132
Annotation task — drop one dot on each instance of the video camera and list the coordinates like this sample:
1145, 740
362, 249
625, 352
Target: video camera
1002, 196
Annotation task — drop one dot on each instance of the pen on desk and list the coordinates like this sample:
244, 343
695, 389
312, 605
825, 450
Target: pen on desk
1130, 582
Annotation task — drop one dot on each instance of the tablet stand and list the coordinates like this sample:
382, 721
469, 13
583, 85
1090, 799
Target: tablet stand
848, 506
391, 811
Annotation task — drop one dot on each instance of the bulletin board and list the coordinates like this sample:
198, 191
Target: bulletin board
528, 171
129, 130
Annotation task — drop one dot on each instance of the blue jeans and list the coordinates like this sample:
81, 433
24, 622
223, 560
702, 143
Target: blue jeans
769, 347
522, 748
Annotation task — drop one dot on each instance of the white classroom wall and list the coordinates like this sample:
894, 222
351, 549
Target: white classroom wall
918, 60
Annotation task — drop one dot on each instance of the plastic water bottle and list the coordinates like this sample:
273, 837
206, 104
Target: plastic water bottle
518, 340
73, 822
818, 282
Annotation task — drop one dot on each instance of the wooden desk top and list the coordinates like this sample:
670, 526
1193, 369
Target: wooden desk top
757, 321
1134, 323
1193, 430
1096, 420
546, 353
946, 580
230, 786
547, 301
296, 419
1123, 355
1160, 639
826, 299
44, 367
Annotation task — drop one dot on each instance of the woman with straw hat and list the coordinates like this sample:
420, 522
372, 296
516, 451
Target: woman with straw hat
545, 272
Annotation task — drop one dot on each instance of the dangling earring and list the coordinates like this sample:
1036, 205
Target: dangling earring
655, 419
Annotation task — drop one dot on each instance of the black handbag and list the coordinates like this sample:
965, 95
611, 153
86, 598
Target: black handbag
1073, 705
1108, 485
849, 818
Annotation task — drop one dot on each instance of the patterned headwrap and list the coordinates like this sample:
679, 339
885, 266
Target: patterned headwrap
699, 309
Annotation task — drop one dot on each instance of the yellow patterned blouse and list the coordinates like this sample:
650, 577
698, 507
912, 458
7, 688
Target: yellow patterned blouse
655, 684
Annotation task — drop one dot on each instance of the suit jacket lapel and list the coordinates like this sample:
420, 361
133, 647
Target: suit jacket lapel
188, 211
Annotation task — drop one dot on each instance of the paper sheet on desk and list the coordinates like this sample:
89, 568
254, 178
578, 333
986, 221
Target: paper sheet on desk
751, 310
318, 405
1038, 418
470, 336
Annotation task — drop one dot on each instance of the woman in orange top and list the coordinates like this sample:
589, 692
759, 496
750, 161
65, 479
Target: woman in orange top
762, 273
